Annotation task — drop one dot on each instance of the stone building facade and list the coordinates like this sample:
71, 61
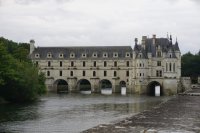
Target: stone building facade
156, 61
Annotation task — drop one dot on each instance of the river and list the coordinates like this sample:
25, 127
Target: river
71, 113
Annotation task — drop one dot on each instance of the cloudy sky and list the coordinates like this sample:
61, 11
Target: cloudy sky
100, 22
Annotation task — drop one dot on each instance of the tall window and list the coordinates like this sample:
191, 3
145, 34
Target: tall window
115, 63
60, 73
48, 73
72, 63
83, 63
36, 63
127, 73
105, 73
95, 64
158, 54
159, 73
83, 73
61, 63
105, 63
127, 63
49, 63
71, 73
158, 63
174, 67
166, 67
170, 67
94, 73
115, 74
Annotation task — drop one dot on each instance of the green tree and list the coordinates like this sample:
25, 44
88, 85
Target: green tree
19, 78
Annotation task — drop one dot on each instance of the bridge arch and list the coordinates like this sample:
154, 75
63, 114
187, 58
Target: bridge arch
122, 83
61, 85
151, 88
84, 85
105, 87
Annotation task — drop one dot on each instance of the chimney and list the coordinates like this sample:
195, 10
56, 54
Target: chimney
154, 39
144, 38
32, 46
136, 41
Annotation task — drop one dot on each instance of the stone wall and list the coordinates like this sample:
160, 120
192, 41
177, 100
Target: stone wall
185, 84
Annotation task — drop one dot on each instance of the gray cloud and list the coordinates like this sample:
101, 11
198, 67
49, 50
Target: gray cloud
99, 22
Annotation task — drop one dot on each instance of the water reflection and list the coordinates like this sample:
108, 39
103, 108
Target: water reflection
64, 113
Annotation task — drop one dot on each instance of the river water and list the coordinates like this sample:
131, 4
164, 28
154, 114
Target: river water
71, 113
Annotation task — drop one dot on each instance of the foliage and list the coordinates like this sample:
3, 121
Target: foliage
19, 78
190, 65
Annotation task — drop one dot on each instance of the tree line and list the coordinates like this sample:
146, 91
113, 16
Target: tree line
190, 64
20, 80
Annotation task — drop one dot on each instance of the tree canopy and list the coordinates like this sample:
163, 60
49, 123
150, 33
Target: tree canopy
20, 80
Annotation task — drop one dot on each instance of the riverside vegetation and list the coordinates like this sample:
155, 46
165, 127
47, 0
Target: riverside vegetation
20, 80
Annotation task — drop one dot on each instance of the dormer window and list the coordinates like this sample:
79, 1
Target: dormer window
61, 55
140, 55
159, 54
127, 54
105, 55
170, 55
84, 55
37, 55
94, 54
72, 55
49, 55
115, 54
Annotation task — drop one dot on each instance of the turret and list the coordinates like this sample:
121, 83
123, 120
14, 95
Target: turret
32, 46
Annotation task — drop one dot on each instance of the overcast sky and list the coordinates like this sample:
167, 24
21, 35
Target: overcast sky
100, 22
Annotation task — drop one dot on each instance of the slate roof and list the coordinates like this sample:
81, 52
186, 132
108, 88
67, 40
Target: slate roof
165, 45
78, 51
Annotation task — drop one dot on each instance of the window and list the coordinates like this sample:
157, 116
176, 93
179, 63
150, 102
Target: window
140, 65
115, 74
83, 73
60, 73
174, 67
72, 55
94, 63
61, 63
71, 73
83, 63
94, 73
36, 63
159, 73
49, 63
158, 54
170, 67
48, 73
115, 54
105, 54
170, 56
49, 55
94, 54
61, 55
127, 63
115, 63
127, 54
158, 63
37, 55
140, 55
140, 74
127, 73
104, 63
84, 55
72, 63
105, 73
166, 67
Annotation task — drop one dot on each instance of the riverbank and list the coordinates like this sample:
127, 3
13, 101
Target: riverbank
180, 114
